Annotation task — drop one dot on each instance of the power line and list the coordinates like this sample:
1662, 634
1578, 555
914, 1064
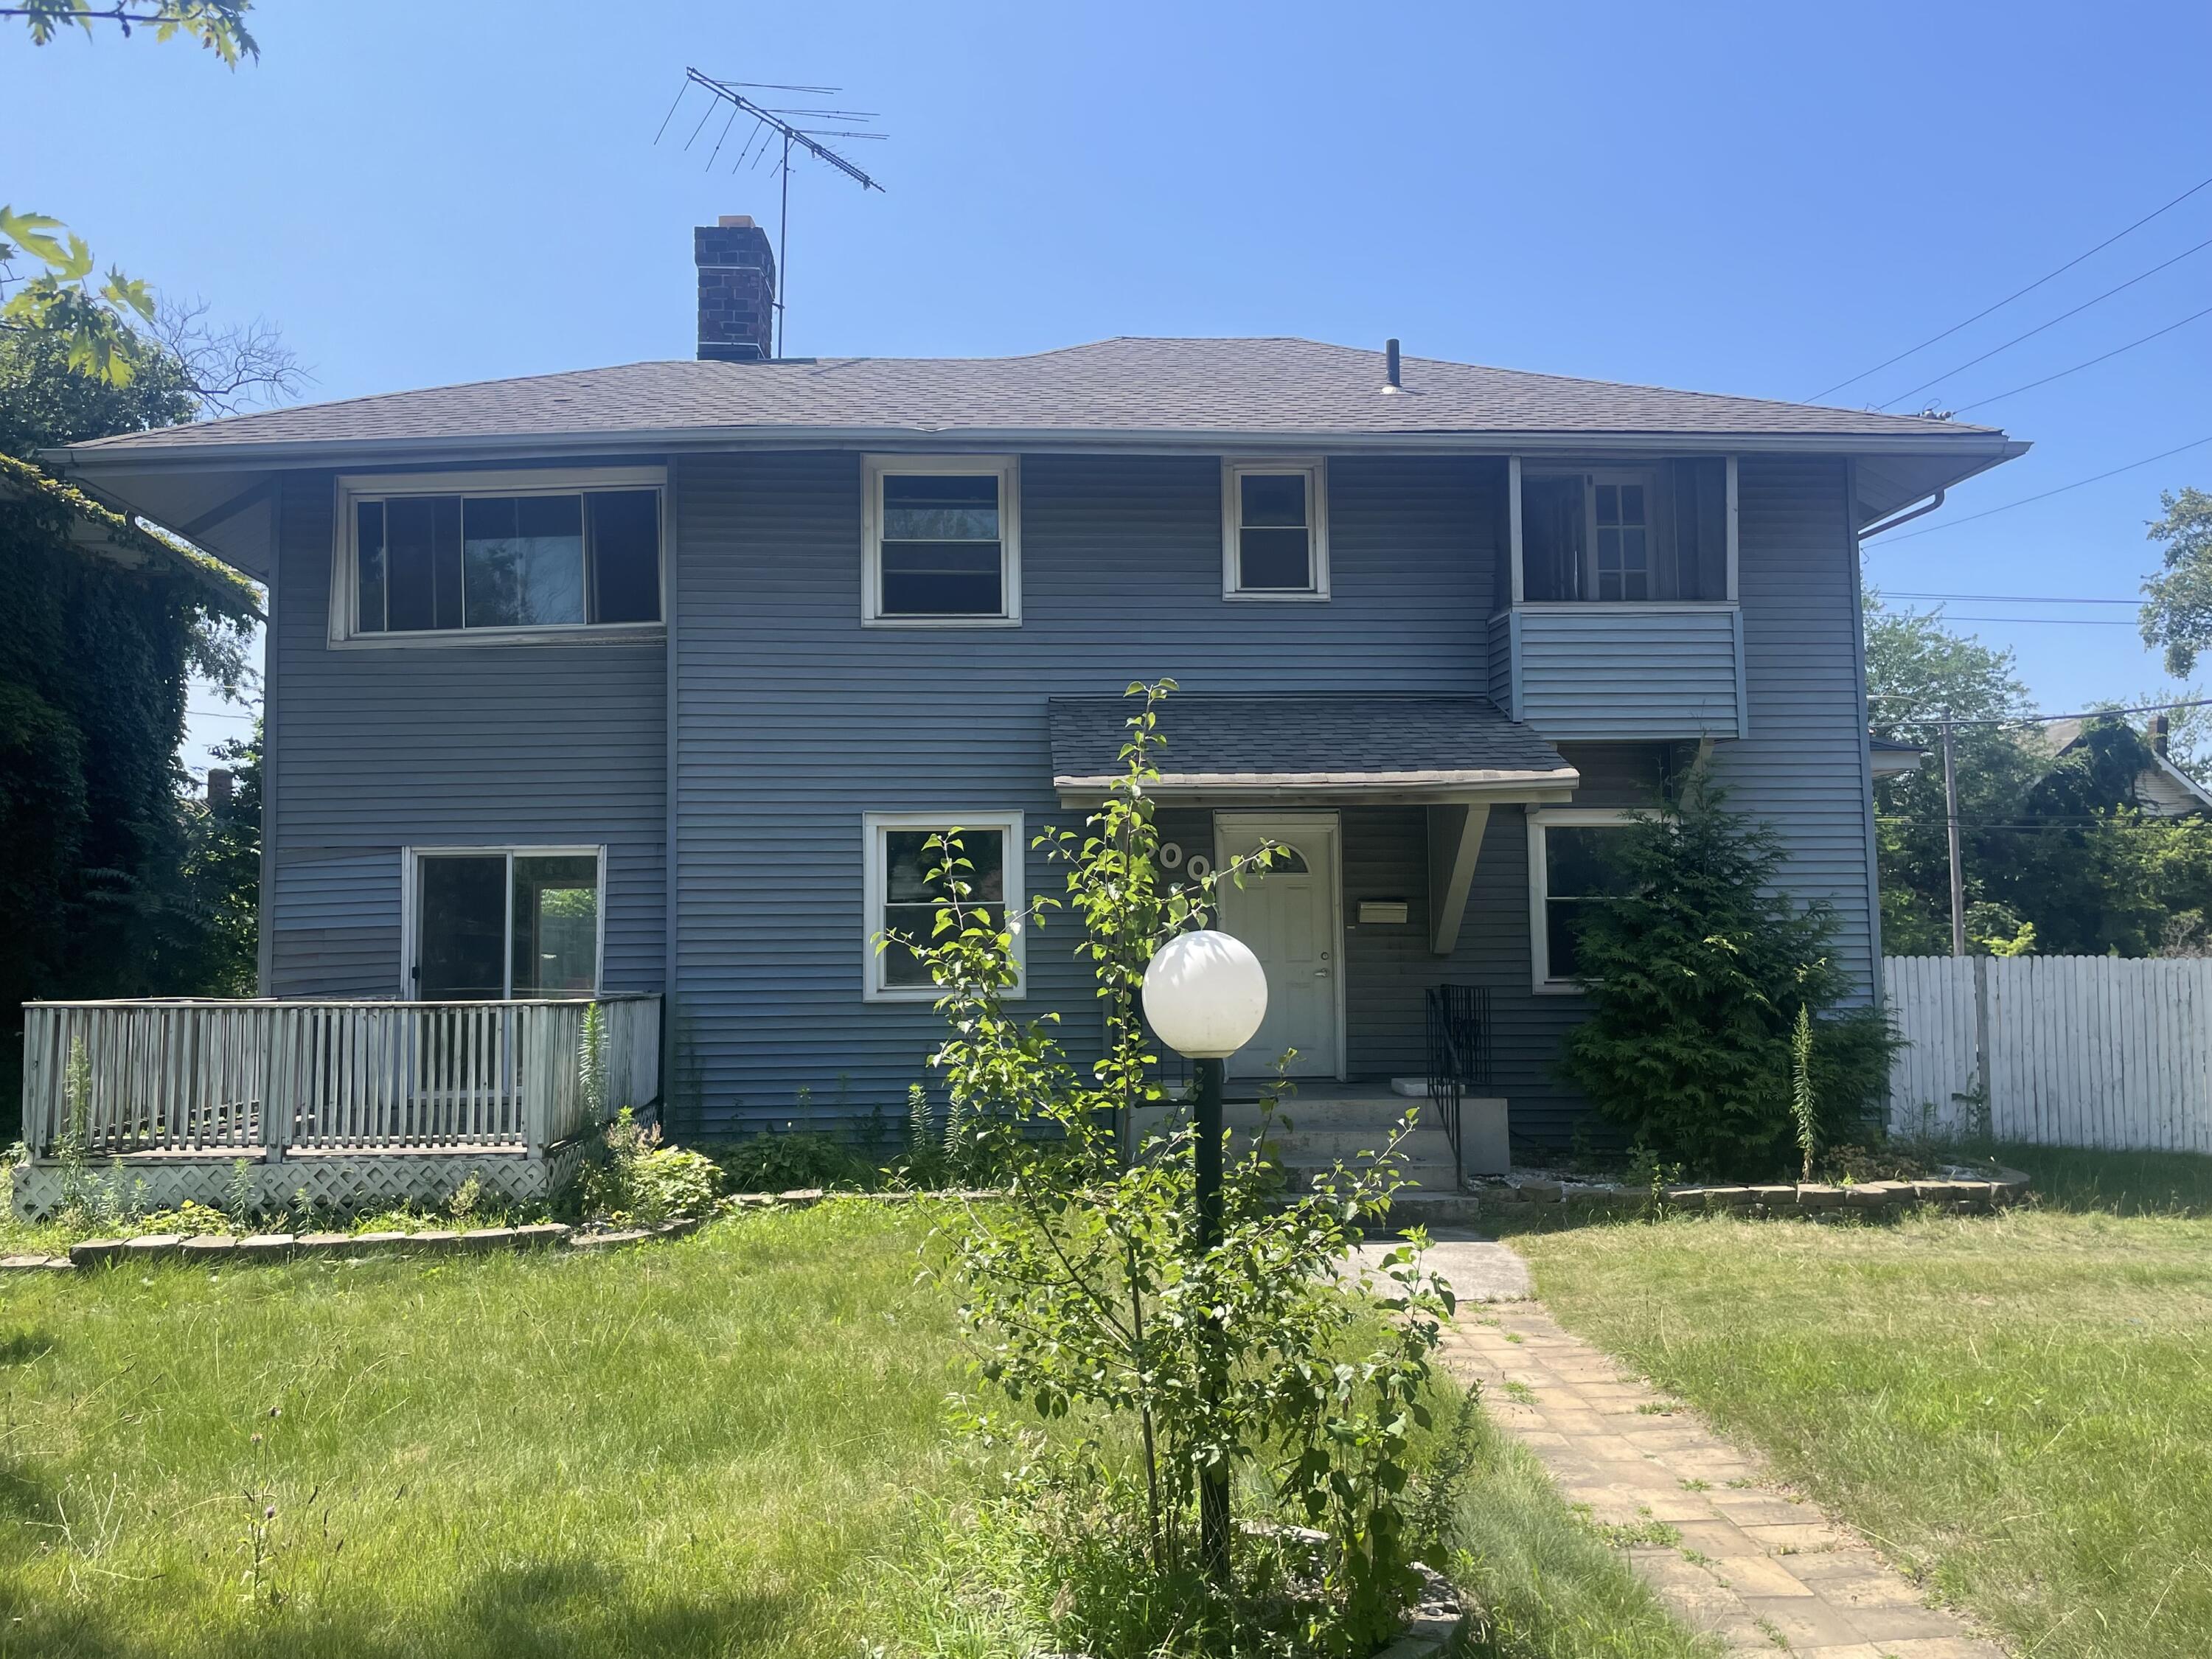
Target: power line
2053, 622
2044, 495
2009, 298
2053, 323
2102, 356
2026, 719
2003, 598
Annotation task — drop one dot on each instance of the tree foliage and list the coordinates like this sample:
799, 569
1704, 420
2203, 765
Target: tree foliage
1696, 972
2057, 855
217, 24
2177, 611
118, 879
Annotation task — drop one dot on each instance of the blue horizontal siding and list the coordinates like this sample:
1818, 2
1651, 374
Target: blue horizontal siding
375, 749
1603, 673
795, 721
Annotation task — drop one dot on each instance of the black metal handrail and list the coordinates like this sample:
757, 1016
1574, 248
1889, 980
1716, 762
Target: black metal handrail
1458, 1057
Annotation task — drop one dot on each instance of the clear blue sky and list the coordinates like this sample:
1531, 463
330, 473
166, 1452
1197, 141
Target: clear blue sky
1758, 199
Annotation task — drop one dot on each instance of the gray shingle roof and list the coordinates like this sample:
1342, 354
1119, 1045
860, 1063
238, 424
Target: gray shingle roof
1283, 388
1348, 744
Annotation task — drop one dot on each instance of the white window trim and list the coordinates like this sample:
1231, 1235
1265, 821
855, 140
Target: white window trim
410, 897
1540, 934
1515, 467
873, 471
345, 588
873, 825
1314, 468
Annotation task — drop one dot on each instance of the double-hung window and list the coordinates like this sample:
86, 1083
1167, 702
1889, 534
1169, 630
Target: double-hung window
485, 923
1569, 872
1274, 530
941, 541
907, 884
511, 555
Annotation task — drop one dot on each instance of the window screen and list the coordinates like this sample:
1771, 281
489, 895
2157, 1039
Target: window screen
912, 893
942, 550
1577, 874
1274, 533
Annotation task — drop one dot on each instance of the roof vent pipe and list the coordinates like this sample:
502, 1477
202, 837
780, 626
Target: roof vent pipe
1391, 381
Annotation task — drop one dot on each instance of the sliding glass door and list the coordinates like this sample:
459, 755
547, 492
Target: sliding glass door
514, 922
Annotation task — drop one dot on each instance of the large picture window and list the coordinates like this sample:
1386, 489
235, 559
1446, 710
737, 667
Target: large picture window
489, 923
512, 556
1568, 873
1274, 530
904, 893
942, 541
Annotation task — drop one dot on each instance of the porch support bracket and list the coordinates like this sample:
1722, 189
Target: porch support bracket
1455, 843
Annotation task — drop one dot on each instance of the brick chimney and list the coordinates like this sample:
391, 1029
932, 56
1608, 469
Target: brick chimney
218, 785
2159, 733
737, 291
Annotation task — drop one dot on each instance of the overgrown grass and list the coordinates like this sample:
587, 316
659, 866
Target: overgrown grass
699, 1449
734, 1444
2017, 1407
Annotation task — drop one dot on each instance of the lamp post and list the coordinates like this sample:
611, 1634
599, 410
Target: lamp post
1206, 995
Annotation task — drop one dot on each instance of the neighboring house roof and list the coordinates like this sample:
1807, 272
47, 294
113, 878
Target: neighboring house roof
2163, 790
1892, 759
98, 533
1125, 388
1357, 745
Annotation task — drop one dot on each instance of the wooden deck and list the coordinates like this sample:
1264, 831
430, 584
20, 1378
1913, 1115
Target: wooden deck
352, 1103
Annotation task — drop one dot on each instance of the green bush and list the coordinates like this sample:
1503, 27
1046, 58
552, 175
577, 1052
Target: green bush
637, 1179
786, 1162
1695, 971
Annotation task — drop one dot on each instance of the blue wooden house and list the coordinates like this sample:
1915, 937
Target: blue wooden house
647, 683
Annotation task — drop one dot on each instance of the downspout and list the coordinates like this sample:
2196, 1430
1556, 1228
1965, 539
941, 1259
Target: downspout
1904, 518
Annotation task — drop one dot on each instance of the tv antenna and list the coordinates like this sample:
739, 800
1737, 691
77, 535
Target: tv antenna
771, 128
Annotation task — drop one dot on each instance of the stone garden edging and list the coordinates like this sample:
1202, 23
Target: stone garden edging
217, 1249
1525, 1199
1522, 1199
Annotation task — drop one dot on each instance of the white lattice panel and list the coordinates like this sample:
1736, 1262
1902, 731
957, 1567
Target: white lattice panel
338, 1184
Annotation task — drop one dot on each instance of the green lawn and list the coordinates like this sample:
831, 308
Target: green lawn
733, 1444
2019, 1405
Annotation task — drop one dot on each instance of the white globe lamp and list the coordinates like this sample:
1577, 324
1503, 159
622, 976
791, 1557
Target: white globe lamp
1206, 995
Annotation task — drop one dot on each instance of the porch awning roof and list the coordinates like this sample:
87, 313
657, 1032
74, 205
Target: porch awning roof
1345, 745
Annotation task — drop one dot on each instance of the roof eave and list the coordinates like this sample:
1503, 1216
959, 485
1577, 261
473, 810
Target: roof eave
1532, 788
1985, 446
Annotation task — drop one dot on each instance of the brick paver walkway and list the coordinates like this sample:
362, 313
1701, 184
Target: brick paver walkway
1763, 1572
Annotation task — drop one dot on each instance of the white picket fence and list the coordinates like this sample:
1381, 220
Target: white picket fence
2070, 1051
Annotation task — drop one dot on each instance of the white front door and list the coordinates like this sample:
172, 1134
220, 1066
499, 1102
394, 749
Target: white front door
1288, 916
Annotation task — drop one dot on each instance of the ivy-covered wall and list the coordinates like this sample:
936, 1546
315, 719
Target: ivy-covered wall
99, 627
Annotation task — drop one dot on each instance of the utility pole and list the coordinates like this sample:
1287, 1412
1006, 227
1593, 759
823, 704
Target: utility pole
1951, 829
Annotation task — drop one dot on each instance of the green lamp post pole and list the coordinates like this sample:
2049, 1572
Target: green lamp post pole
1206, 995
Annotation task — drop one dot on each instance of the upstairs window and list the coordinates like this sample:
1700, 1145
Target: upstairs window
527, 559
1626, 535
943, 541
1275, 530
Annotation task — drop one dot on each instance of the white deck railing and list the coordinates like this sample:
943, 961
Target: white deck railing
213, 1079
